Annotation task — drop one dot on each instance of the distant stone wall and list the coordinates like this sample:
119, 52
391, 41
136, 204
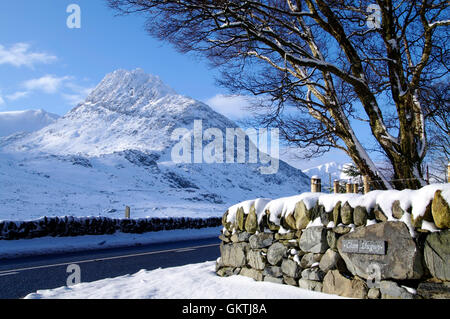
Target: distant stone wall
348, 251
74, 226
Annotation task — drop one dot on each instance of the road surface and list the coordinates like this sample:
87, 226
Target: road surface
21, 276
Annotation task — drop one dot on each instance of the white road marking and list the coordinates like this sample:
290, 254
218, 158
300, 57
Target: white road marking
8, 274
107, 258
183, 250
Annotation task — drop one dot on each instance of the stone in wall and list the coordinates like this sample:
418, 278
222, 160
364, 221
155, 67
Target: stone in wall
225, 271
314, 240
240, 236
302, 215
288, 222
290, 268
310, 285
337, 213
251, 222
335, 283
347, 214
290, 281
397, 210
379, 214
228, 226
266, 222
314, 274
255, 259
360, 216
341, 230
437, 254
332, 260
273, 271
391, 290
261, 240
275, 253
332, 238
440, 211
310, 259
233, 255
325, 217
434, 290
402, 259
252, 273
374, 293
240, 219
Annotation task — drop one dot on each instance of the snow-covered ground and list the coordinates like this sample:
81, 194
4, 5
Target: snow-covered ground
196, 281
52, 245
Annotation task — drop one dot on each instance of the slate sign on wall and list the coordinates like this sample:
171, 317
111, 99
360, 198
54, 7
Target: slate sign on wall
362, 246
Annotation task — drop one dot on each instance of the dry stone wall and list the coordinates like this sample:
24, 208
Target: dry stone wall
78, 226
358, 252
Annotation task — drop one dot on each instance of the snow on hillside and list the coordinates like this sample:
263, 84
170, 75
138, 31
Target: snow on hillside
24, 121
114, 150
325, 170
127, 110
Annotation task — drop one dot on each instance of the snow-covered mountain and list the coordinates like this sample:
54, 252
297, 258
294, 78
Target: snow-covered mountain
329, 170
114, 149
13, 122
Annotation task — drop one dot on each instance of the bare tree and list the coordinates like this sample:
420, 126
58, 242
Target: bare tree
324, 64
436, 100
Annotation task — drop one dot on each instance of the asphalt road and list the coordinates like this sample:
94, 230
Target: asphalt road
21, 276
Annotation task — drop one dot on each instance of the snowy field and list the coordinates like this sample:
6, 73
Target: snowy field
196, 281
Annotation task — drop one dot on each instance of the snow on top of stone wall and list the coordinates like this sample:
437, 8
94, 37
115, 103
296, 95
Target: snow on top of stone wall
414, 201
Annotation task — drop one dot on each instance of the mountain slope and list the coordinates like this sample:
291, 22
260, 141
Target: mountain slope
24, 121
114, 149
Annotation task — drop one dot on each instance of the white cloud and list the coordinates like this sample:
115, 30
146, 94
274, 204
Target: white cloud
17, 95
19, 54
232, 106
2, 101
48, 83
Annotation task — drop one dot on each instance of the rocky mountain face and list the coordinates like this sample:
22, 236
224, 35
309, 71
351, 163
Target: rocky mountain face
115, 149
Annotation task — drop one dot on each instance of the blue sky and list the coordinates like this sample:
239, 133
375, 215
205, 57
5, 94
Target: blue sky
46, 65
77, 59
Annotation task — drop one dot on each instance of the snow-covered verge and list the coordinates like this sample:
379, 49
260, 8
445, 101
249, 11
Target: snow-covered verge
196, 281
52, 245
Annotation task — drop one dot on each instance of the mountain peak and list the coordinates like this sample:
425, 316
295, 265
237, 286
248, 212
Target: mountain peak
129, 86
127, 110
